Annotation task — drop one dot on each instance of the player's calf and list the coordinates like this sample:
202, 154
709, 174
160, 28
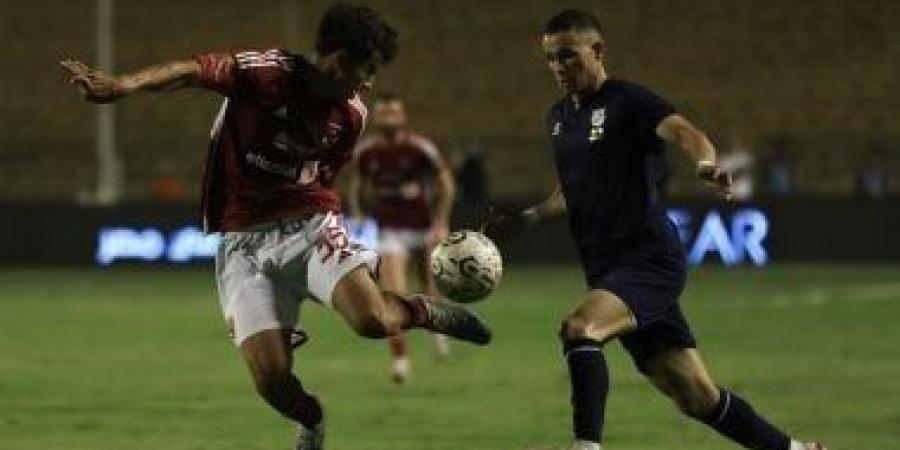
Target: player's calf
268, 358
693, 396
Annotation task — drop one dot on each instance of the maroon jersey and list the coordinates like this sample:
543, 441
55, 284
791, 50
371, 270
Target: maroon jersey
276, 149
401, 172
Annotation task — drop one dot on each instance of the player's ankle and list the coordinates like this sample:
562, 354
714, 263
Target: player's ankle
418, 314
579, 444
400, 370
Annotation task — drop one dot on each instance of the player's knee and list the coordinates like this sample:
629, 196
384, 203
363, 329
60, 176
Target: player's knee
575, 327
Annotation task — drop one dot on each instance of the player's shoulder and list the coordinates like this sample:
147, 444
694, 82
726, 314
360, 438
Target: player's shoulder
630, 88
618, 85
357, 107
422, 143
265, 58
418, 139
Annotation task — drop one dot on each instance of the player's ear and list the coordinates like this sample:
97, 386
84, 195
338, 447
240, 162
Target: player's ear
330, 63
599, 49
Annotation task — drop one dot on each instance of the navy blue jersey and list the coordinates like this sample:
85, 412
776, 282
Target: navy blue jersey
610, 161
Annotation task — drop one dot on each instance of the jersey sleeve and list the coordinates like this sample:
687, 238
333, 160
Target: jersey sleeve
429, 149
218, 72
259, 74
649, 108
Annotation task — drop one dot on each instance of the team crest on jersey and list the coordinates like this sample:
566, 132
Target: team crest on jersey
598, 117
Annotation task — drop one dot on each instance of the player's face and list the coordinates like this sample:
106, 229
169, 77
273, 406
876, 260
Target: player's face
350, 77
575, 59
389, 116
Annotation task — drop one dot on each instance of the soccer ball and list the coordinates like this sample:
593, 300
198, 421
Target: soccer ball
466, 266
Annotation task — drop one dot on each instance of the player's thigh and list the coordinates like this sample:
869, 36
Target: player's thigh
392, 272
601, 315
682, 374
359, 301
251, 301
268, 356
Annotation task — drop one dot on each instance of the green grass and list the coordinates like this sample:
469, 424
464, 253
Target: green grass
132, 359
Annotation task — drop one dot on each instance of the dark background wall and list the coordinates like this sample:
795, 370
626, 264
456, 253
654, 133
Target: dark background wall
824, 72
809, 230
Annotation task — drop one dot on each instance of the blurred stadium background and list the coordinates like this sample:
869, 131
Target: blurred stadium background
800, 96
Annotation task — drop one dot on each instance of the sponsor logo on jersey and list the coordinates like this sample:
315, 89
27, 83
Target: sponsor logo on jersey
267, 165
283, 142
598, 117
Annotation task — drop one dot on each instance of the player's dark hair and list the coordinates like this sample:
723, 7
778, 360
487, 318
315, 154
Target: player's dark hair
572, 20
358, 30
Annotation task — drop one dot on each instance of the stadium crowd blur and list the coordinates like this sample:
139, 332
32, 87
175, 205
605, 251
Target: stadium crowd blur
800, 96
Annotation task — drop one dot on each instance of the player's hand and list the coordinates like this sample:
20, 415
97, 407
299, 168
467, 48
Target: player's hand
715, 178
436, 234
501, 226
95, 86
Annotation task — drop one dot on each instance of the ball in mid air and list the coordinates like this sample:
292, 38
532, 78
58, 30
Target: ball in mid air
466, 266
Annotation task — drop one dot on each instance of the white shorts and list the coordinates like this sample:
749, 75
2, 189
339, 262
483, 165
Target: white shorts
262, 275
395, 241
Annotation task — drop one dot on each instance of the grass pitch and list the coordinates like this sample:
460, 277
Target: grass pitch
138, 360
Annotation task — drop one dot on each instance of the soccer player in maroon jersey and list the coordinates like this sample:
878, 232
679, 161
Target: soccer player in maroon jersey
286, 127
401, 180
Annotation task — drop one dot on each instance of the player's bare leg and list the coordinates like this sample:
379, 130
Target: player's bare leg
392, 278
269, 358
683, 377
422, 266
376, 314
599, 317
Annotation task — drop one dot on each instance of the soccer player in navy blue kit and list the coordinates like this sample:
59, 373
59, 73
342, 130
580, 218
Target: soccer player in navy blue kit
608, 137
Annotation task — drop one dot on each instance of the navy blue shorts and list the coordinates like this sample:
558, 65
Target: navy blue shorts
648, 273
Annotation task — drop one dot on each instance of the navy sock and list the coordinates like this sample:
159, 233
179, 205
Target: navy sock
735, 418
589, 378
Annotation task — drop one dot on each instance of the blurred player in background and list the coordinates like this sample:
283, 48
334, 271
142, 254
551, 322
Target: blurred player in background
608, 137
401, 180
287, 126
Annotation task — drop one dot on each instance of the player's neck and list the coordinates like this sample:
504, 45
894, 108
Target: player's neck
391, 134
592, 89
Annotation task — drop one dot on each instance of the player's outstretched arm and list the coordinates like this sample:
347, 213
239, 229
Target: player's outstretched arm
500, 226
679, 131
99, 87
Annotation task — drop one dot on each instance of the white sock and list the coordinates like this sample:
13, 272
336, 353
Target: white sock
401, 366
586, 445
797, 445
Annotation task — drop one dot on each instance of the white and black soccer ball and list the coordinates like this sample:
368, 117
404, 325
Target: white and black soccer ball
466, 266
